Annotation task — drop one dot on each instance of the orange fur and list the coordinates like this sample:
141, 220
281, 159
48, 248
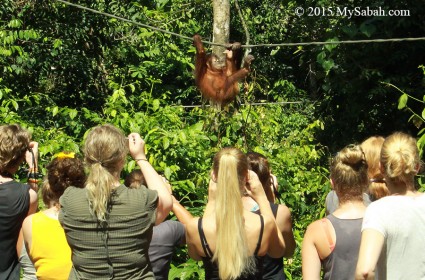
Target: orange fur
218, 84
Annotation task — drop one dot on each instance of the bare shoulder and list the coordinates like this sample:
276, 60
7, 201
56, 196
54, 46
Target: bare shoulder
27, 224
315, 231
317, 236
283, 212
33, 202
33, 196
315, 226
28, 219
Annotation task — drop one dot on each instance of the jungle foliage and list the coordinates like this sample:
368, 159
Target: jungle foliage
65, 70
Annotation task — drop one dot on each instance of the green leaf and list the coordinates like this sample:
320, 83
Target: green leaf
72, 113
15, 23
421, 144
132, 87
350, 30
367, 29
402, 101
131, 165
321, 57
15, 105
155, 105
328, 64
274, 51
330, 47
166, 142
167, 172
55, 111
57, 43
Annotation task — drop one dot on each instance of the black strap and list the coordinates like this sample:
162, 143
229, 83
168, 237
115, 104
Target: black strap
205, 246
274, 208
260, 238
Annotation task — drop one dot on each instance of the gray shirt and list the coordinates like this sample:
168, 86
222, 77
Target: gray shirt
332, 201
166, 236
341, 263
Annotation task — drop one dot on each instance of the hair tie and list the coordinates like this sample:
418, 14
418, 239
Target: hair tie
377, 180
63, 155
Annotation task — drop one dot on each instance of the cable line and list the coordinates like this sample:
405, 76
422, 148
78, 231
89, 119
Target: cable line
245, 46
243, 104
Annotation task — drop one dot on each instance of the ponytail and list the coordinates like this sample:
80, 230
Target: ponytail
231, 253
104, 151
99, 187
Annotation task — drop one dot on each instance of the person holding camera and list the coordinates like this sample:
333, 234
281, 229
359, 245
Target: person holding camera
17, 200
273, 267
107, 225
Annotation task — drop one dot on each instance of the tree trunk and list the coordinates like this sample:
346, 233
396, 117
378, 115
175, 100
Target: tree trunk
221, 26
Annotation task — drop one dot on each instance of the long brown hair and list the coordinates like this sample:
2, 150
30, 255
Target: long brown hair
260, 165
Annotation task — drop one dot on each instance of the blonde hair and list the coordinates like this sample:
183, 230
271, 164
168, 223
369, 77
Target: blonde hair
372, 149
14, 142
105, 150
349, 173
231, 253
400, 158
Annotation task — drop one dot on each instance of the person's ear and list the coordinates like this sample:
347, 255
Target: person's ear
213, 177
418, 167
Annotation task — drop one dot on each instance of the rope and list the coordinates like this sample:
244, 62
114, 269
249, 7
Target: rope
248, 50
244, 46
337, 42
250, 104
136, 23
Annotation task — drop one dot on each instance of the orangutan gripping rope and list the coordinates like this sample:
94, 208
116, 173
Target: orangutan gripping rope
218, 83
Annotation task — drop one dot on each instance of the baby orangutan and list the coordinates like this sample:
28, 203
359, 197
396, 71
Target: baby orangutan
218, 83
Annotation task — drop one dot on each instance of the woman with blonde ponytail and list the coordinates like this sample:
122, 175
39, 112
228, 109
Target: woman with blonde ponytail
109, 226
230, 240
393, 228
